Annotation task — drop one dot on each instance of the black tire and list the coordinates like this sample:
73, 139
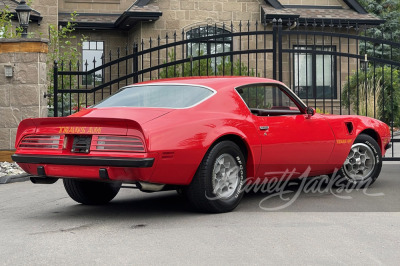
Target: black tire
181, 192
211, 174
350, 175
91, 192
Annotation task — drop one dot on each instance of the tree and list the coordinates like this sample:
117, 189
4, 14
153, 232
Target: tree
379, 85
376, 88
388, 10
7, 30
63, 50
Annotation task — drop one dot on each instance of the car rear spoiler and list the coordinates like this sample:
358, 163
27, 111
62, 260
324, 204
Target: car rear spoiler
78, 126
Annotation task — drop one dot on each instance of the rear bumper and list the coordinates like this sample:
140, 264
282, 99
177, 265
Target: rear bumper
84, 160
148, 168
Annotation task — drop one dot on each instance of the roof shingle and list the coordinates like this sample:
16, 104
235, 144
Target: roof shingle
320, 13
12, 4
97, 20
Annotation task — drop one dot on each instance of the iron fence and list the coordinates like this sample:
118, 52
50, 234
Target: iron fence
335, 67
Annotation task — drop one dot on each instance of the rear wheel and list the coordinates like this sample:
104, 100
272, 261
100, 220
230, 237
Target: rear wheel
217, 185
91, 192
363, 164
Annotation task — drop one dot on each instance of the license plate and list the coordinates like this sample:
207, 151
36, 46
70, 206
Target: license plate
81, 144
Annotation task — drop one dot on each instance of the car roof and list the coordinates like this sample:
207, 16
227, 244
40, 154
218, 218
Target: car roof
214, 82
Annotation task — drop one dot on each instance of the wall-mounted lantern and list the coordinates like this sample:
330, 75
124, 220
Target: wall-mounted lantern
24, 13
8, 71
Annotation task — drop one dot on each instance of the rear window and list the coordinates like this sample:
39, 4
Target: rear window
161, 96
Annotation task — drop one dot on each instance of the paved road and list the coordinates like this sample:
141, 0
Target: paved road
40, 225
395, 150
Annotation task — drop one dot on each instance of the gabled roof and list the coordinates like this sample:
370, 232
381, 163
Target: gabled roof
353, 4
356, 14
125, 21
90, 20
12, 4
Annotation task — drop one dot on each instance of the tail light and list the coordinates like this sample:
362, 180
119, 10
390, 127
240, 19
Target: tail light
117, 143
42, 142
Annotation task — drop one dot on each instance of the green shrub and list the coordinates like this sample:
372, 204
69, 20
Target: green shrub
6, 28
376, 87
62, 49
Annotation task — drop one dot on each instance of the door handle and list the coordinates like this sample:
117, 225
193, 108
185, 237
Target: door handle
264, 127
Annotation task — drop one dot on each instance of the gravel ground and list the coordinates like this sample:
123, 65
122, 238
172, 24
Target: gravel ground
10, 169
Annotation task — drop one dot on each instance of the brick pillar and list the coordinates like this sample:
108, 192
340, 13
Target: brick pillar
21, 95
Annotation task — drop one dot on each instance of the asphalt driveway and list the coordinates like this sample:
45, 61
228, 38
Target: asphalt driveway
41, 225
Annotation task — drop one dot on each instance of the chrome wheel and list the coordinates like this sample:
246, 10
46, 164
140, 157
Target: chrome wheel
225, 176
216, 187
360, 162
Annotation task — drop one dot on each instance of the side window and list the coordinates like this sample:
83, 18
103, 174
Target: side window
268, 98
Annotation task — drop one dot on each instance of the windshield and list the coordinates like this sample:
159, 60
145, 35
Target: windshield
161, 96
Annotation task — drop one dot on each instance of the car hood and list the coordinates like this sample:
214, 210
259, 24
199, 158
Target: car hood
140, 115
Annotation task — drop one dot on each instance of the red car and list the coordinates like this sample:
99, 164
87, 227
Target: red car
205, 136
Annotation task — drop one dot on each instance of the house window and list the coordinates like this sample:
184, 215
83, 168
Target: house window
209, 46
315, 73
92, 55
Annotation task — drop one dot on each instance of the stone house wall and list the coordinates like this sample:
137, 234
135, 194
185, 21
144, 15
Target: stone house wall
48, 9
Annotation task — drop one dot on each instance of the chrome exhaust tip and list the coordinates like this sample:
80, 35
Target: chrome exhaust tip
150, 187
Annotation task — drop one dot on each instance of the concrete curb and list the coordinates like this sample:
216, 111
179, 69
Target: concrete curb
14, 178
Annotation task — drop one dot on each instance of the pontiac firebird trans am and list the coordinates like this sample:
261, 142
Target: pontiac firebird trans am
206, 137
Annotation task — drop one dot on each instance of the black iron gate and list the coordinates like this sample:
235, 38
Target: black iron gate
336, 68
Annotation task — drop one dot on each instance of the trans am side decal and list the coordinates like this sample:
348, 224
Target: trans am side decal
344, 141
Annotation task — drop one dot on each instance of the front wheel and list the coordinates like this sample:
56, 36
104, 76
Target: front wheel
217, 185
363, 164
91, 192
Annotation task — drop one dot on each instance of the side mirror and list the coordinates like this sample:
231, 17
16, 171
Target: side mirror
310, 112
